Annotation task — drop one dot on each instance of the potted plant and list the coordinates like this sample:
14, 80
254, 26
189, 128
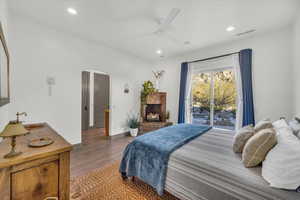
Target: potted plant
148, 88
168, 116
133, 123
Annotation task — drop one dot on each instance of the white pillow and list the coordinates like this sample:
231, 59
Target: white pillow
295, 125
284, 132
281, 167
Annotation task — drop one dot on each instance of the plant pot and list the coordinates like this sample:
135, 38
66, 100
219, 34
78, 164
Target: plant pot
134, 132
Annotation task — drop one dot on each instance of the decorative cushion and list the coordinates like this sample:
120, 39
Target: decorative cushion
263, 124
281, 167
295, 125
242, 137
258, 146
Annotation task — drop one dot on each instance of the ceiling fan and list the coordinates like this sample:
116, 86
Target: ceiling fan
163, 29
165, 23
165, 26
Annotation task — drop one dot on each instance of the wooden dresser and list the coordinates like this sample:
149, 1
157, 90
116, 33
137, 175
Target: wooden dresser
38, 173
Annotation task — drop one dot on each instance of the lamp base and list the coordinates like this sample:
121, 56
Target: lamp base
12, 154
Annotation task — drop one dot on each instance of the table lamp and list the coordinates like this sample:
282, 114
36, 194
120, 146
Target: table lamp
14, 129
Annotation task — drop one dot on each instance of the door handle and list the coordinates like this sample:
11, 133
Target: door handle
85, 108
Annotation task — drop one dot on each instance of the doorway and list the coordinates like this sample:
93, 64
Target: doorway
95, 105
214, 99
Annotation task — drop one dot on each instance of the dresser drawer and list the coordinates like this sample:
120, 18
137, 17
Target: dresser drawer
38, 182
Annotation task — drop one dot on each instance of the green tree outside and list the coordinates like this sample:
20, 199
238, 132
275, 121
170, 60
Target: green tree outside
224, 91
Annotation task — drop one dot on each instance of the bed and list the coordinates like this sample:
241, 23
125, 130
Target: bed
206, 168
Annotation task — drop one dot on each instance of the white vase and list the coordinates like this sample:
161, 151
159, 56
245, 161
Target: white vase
157, 84
134, 132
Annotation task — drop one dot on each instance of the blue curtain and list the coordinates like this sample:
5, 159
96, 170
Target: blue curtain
182, 92
246, 76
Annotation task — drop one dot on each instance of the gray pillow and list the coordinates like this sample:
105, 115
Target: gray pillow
263, 124
241, 137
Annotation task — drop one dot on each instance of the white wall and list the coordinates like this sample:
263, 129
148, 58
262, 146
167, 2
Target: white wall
272, 69
3, 18
297, 67
39, 51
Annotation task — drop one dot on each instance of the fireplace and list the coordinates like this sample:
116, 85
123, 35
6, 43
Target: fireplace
153, 113
155, 108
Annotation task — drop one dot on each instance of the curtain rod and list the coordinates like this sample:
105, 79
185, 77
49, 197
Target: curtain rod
229, 54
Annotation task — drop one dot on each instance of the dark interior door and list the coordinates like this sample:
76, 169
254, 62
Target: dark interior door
101, 98
85, 103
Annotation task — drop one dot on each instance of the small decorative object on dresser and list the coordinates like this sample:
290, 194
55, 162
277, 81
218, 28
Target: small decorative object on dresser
40, 142
14, 129
38, 173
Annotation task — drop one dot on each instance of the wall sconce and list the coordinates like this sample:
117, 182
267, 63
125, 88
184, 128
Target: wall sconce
50, 83
126, 88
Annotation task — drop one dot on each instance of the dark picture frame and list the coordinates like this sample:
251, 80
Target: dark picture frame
3, 49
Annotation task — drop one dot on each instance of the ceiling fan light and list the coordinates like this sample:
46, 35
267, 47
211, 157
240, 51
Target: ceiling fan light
159, 51
230, 28
72, 11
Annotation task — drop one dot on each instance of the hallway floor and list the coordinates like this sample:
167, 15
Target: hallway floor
96, 151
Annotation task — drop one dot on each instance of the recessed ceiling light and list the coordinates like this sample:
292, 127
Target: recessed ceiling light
159, 51
230, 28
72, 11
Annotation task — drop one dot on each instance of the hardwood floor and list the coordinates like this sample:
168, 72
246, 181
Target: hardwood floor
96, 151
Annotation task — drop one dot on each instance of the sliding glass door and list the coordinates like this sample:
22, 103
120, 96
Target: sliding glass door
213, 99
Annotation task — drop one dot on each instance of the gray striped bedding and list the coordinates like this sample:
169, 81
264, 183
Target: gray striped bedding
208, 169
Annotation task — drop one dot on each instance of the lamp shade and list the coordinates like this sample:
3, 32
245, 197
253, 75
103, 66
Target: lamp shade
14, 129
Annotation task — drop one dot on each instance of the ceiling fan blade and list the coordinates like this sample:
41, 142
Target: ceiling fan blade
172, 15
168, 20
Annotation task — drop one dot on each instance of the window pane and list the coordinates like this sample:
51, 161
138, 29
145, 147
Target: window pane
224, 99
201, 98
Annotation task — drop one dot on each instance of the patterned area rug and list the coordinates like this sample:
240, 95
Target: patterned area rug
107, 184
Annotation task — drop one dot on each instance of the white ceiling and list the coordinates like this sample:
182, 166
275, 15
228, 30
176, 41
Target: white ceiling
128, 24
